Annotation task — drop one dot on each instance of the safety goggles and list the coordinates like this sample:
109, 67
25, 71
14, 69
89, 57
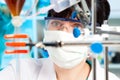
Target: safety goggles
63, 24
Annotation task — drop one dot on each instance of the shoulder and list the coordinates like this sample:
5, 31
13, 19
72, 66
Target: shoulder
31, 62
29, 65
100, 73
30, 68
113, 76
33, 67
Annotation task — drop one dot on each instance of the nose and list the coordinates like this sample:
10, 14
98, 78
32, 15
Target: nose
66, 28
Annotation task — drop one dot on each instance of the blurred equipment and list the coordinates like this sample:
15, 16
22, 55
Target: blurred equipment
5, 28
15, 6
59, 5
116, 58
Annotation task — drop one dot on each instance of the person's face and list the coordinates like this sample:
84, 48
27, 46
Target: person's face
66, 26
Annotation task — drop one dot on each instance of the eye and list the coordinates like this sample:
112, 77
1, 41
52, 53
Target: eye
56, 23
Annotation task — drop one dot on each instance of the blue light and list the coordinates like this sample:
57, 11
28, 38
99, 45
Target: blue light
96, 47
76, 32
74, 14
43, 3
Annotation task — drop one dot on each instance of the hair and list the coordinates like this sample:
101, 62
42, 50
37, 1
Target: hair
103, 11
64, 14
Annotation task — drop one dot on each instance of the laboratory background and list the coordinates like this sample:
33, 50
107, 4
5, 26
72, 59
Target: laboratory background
33, 27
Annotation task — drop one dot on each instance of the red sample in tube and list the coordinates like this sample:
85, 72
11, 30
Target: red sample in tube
16, 51
9, 36
16, 44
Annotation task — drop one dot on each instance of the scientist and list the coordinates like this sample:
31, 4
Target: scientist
65, 63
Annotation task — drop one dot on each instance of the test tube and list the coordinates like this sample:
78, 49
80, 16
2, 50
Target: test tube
16, 51
13, 36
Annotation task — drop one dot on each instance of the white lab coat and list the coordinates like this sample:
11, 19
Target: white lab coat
41, 69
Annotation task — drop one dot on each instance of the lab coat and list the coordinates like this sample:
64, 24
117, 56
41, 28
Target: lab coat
42, 69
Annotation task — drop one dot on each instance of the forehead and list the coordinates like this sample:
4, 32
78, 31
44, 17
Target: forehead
72, 21
62, 19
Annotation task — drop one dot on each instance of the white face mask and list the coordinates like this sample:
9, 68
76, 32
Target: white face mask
67, 56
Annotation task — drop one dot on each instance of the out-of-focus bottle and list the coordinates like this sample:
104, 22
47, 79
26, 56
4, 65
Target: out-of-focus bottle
59, 5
